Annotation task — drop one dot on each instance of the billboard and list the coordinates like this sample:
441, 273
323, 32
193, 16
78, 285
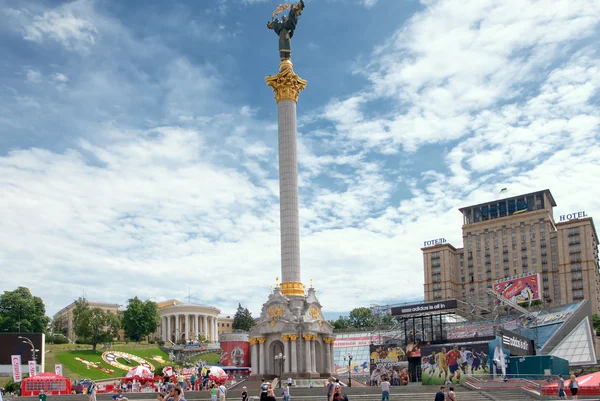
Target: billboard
523, 288
235, 353
15, 361
453, 362
388, 360
515, 343
11, 344
427, 307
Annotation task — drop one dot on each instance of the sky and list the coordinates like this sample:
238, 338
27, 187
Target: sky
138, 140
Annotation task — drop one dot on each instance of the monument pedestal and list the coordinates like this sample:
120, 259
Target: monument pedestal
291, 338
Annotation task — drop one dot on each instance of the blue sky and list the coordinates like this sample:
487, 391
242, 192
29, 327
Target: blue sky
138, 143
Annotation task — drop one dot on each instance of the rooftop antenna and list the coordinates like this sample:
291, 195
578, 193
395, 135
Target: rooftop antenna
189, 295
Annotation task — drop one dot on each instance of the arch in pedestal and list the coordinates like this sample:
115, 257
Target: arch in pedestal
274, 367
319, 357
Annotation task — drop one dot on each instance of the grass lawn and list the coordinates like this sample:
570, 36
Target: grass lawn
74, 369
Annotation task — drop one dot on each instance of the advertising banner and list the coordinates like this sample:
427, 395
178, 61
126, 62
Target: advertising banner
58, 370
453, 362
358, 341
515, 343
235, 353
15, 361
31, 366
427, 307
519, 289
389, 361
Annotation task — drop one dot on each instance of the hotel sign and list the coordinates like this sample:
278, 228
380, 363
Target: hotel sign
434, 242
572, 216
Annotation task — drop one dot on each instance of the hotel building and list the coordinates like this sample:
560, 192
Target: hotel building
513, 236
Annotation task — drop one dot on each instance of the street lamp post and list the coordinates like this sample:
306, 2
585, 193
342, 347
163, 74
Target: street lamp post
281, 358
33, 349
349, 370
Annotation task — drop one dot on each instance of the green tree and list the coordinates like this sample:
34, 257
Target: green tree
94, 325
60, 325
361, 318
341, 323
596, 322
140, 319
21, 312
243, 319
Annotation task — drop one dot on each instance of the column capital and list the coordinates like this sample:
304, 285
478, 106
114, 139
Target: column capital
329, 340
253, 341
309, 337
261, 340
286, 84
293, 337
285, 337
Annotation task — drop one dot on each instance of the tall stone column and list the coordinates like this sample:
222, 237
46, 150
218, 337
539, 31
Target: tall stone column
287, 86
205, 326
313, 354
169, 330
254, 355
186, 326
177, 328
261, 355
216, 328
286, 351
293, 358
307, 358
163, 328
325, 356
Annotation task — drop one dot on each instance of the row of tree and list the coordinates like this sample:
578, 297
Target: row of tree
21, 312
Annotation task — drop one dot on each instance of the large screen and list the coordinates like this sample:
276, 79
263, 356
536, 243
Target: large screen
519, 289
453, 362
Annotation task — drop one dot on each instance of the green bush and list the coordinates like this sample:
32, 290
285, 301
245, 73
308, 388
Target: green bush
160, 343
56, 339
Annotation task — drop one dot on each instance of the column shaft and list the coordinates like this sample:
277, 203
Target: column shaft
261, 357
254, 358
307, 359
169, 330
286, 352
332, 357
288, 192
294, 361
313, 356
326, 357
177, 329
195, 327
204, 326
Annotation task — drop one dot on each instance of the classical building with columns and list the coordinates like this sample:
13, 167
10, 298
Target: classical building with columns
185, 321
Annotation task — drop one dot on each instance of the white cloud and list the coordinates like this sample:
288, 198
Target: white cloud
61, 25
33, 76
454, 60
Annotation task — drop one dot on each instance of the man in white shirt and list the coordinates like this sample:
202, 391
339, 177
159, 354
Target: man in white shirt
222, 392
290, 381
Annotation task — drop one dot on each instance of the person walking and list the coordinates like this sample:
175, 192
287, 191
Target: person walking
385, 389
222, 392
263, 389
441, 395
561, 388
338, 395
213, 392
451, 394
244, 393
286, 393
574, 386
330, 387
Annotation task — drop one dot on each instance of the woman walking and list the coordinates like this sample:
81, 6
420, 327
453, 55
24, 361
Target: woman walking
574, 386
